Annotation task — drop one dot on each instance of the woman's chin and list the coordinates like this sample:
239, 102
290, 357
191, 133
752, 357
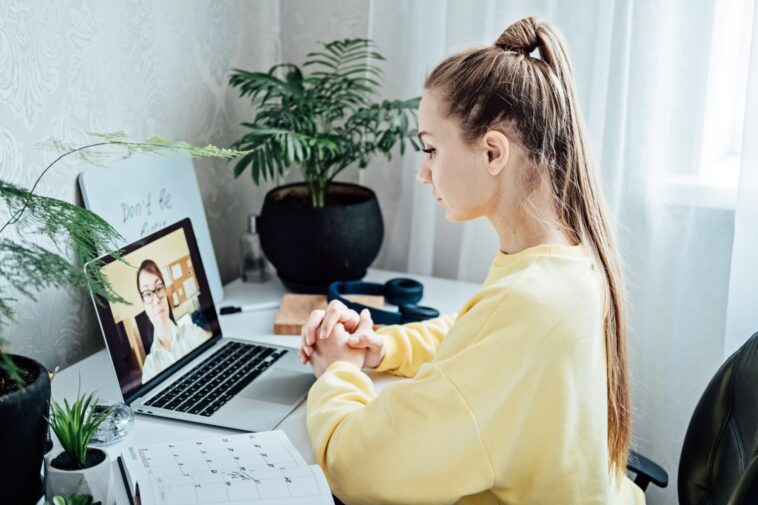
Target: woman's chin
454, 216
450, 215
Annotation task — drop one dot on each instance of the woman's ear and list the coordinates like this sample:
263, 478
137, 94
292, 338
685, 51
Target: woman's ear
498, 150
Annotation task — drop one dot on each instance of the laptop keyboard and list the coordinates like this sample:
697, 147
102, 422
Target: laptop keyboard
215, 381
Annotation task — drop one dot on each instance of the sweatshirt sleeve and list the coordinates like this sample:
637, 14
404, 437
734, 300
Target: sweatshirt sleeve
408, 346
376, 449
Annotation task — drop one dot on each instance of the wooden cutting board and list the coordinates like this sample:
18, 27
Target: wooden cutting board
295, 309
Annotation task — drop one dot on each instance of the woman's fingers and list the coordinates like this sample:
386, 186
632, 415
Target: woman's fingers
369, 341
301, 352
364, 335
305, 356
340, 332
337, 312
321, 323
305, 352
312, 325
301, 355
306, 349
365, 322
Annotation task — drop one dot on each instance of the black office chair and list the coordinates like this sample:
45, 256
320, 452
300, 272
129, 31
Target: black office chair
719, 461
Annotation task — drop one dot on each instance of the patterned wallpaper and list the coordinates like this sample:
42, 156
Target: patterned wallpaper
147, 68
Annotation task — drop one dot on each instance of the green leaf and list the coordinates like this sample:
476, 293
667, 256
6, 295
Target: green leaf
255, 167
252, 83
321, 61
290, 151
313, 55
270, 169
242, 164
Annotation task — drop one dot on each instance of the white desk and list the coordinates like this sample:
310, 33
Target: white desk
97, 375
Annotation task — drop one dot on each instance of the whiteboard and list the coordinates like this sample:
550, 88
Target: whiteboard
143, 193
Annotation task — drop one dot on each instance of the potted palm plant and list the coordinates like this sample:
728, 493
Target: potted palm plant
27, 267
79, 469
323, 122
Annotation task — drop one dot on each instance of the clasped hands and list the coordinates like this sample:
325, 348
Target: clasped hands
340, 334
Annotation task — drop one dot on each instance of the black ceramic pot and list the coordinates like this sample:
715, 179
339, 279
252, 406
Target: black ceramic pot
23, 435
312, 247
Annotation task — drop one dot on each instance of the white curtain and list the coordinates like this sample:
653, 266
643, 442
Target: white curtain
651, 86
743, 283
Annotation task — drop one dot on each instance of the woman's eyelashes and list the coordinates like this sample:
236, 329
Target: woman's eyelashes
429, 151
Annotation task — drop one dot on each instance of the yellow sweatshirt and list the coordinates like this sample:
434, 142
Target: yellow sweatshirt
507, 401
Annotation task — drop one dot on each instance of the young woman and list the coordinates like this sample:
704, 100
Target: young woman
170, 341
522, 396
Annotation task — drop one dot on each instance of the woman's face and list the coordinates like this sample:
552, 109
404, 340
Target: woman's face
157, 309
458, 172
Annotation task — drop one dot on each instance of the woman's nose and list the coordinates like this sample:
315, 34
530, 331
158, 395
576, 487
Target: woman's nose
424, 174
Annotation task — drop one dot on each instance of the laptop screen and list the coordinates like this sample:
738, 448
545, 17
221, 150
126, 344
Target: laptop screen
169, 311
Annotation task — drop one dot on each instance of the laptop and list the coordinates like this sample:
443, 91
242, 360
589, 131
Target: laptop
166, 345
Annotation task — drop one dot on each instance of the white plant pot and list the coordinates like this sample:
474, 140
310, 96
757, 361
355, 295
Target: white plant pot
94, 481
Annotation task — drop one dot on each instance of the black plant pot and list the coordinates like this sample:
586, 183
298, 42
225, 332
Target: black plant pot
312, 247
23, 435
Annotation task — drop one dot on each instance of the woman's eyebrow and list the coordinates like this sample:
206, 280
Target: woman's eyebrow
424, 132
147, 286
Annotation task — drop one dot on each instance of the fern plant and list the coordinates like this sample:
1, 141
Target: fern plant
322, 121
75, 425
26, 267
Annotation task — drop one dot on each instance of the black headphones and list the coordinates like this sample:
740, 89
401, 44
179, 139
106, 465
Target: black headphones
404, 293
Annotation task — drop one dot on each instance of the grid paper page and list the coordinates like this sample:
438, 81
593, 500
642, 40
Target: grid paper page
252, 468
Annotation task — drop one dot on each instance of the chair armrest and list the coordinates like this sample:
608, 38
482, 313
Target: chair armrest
646, 471
746, 490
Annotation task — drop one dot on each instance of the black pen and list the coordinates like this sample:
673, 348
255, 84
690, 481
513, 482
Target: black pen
232, 309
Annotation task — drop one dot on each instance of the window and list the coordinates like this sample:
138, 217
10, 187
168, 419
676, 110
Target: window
715, 184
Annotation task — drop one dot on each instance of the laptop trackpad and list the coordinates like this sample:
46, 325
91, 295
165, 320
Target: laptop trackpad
279, 386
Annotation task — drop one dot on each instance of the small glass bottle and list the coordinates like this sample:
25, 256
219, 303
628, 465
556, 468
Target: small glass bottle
116, 425
254, 267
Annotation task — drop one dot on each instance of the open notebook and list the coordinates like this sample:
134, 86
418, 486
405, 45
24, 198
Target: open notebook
248, 469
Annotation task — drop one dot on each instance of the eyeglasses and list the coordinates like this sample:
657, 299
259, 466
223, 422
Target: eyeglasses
147, 295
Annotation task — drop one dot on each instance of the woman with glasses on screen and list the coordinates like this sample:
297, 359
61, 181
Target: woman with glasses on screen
170, 341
